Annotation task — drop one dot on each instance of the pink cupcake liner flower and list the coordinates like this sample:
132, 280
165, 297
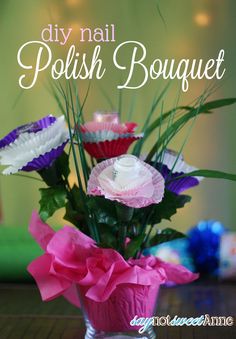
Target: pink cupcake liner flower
128, 180
105, 137
109, 148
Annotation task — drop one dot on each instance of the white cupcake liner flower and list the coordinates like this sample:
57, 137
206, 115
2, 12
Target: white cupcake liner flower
34, 146
173, 166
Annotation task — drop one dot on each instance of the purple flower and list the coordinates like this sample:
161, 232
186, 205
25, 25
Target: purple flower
34, 146
172, 167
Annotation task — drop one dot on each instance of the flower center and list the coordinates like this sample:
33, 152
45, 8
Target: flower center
106, 117
125, 170
31, 128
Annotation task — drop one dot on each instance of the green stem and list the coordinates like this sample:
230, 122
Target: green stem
124, 215
121, 238
142, 247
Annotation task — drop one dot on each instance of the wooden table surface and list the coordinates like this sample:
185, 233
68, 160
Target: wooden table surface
24, 316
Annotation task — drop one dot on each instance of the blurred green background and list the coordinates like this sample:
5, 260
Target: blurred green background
194, 29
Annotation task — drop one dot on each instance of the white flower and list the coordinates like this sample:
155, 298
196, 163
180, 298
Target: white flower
35, 150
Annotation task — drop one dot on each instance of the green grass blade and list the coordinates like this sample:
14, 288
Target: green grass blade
205, 108
186, 138
131, 108
213, 174
177, 125
18, 97
161, 15
77, 103
78, 138
85, 98
138, 147
108, 99
120, 98
208, 106
53, 90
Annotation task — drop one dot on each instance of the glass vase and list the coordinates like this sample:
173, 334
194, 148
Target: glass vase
119, 315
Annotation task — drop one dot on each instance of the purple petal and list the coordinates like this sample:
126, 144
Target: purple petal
44, 160
179, 185
33, 127
183, 184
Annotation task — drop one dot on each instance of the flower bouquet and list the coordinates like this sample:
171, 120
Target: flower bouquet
116, 206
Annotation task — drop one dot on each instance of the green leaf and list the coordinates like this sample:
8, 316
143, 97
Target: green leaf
71, 214
217, 104
78, 199
134, 245
53, 175
103, 209
52, 199
124, 213
62, 165
208, 174
75, 216
75, 208
165, 235
167, 207
108, 236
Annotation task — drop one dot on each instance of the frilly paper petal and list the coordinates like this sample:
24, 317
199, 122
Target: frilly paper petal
30, 128
176, 163
44, 160
30, 147
178, 185
172, 160
94, 126
132, 198
110, 148
173, 166
101, 136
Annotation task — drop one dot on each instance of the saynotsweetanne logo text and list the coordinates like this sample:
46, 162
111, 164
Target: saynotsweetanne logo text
202, 320
82, 66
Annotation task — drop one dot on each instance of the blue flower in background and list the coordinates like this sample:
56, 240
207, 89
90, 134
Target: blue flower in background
204, 243
174, 251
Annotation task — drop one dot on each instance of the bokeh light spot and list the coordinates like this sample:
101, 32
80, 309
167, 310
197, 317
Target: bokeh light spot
202, 19
72, 3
